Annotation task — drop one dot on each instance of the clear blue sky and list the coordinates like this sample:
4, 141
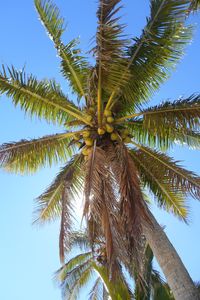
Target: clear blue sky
29, 255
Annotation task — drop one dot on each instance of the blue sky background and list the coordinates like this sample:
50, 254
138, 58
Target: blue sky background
28, 254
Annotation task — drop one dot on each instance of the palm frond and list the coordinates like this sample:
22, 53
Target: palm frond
73, 66
79, 239
74, 275
97, 290
41, 98
110, 43
99, 197
81, 281
157, 50
160, 289
49, 204
180, 179
28, 156
180, 114
132, 206
166, 195
118, 287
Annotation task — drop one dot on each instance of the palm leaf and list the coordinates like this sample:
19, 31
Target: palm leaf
73, 65
158, 49
41, 98
167, 196
49, 204
29, 156
108, 50
79, 239
118, 287
97, 290
180, 179
99, 198
163, 137
180, 114
74, 275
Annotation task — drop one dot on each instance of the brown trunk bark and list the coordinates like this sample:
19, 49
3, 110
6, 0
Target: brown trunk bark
173, 268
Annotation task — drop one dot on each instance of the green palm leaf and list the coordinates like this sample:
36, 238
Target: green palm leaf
153, 55
181, 114
29, 156
167, 196
109, 50
181, 179
73, 65
49, 204
163, 137
74, 275
41, 98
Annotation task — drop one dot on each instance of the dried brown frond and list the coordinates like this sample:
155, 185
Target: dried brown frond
133, 211
100, 204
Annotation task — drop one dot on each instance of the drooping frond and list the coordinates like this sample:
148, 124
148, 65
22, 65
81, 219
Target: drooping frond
157, 50
99, 198
49, 204
109, 50
29, 156
132, 207
167, 196
180, 179
73, 65
41, 98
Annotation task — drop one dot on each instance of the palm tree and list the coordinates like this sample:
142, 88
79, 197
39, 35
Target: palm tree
112, 143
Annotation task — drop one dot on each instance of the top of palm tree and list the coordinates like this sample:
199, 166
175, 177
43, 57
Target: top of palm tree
112, 144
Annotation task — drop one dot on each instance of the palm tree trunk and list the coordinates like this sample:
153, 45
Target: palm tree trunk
173, 268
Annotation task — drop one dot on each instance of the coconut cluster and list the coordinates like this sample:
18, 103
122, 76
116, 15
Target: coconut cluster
108, 128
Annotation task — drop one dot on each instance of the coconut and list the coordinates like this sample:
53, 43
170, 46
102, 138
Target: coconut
127, 140
89, 142
114, 136
101, 131
109, 128
110, 119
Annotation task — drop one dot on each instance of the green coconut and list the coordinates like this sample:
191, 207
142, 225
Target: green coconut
109, 128
114, 136
110, 119
101, 131
89, 142
127, 140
